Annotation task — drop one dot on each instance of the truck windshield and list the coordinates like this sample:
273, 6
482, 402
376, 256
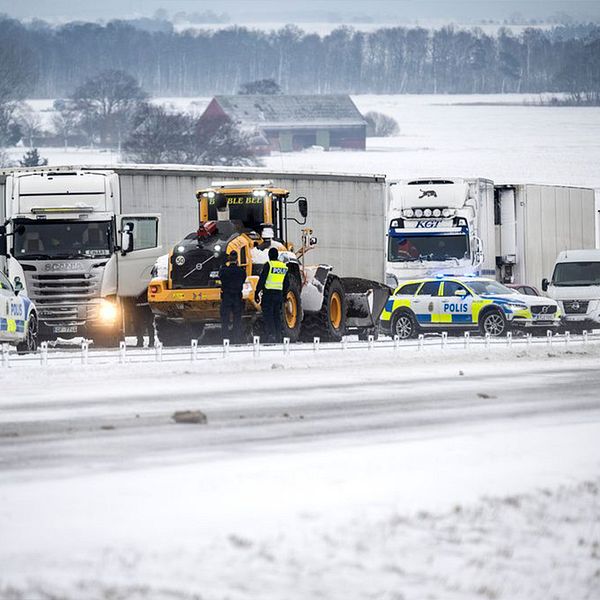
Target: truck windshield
576, 273
411, 247
62, 239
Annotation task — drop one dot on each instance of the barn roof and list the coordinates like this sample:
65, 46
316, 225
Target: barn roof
291, 111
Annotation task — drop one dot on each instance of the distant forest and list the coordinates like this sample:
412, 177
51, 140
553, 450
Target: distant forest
395, 61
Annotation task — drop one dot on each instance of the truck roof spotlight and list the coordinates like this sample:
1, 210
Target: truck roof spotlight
418, 212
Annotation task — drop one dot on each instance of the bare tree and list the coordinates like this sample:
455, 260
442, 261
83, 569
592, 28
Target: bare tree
159, 136
262, 86
65, 120
29, 122
107, 103
380, 125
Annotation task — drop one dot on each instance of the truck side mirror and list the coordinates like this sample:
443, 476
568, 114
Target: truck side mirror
127, 238
545, 285
3, 243
303, 207
17, 285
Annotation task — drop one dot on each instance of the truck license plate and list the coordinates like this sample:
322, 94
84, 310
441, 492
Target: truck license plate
65, 329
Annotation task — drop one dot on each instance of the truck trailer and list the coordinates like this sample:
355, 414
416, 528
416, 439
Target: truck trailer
84, 239
510, 232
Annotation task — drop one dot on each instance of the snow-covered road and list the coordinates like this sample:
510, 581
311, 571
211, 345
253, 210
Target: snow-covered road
371, 475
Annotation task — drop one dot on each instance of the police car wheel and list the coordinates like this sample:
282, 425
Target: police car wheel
494, 323
29, 344
404, 326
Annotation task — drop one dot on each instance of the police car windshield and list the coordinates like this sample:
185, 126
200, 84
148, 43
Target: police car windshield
405, 248
483, 287
576, 273
62, 239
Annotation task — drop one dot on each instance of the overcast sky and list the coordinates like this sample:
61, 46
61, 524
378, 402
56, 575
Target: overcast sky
297, 10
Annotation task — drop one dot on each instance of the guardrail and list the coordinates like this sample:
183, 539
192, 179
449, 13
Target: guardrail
84, 355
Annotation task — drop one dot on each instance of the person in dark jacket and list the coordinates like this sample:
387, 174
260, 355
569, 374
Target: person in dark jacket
273, 284
232, 278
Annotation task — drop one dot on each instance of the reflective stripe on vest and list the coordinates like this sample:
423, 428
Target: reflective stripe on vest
277, 273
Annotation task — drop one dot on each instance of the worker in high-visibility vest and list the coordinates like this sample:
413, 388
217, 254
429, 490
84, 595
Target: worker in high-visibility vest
271, 289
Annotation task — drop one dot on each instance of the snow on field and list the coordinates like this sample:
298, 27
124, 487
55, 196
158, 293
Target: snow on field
388, 475
493, 136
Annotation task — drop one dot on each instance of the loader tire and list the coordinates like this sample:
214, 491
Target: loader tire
329, 324
292, 312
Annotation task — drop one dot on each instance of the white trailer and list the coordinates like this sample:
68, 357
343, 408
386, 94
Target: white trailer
535, 223
84, 239
512, 232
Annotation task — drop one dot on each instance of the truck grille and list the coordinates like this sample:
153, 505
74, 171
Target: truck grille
191, 275
576, 307
543, 309
65, 299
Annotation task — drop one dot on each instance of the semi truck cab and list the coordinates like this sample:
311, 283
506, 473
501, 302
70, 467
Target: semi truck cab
434, 226
82, 262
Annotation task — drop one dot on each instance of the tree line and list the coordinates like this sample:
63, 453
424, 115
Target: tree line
393, 60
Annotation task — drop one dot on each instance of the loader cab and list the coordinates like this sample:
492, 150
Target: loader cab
258, 206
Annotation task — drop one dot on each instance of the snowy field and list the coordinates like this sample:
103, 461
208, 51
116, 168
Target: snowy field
494, 136
390, 475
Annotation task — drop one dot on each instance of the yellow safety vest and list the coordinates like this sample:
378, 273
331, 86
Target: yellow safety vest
277, 273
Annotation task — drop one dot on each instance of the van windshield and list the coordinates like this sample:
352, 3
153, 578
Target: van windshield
576, 273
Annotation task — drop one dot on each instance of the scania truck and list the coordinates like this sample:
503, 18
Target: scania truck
509, 232
83, 257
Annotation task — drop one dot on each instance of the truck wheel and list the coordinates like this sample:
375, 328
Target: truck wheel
169, 333
329, 323
404, 325
30, 343
494, 323
292, 312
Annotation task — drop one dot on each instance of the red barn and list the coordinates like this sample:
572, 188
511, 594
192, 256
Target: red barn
289, 123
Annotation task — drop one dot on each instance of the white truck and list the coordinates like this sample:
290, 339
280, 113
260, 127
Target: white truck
510, 232
84, 239
84, 258
575, 284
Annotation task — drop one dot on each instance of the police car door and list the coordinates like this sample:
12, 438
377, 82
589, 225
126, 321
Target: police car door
424, 303
12, 318
455, 304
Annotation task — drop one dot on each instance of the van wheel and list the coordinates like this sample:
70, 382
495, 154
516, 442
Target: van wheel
404, 325
30, 343
494, 323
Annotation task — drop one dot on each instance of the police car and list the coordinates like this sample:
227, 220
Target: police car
446, 303
18, 318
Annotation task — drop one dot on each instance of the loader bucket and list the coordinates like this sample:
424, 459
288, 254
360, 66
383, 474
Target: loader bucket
365, 300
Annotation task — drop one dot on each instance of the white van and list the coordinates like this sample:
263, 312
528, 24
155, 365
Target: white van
575, 284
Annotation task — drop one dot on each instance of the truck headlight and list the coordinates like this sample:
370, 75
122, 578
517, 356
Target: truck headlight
108, 312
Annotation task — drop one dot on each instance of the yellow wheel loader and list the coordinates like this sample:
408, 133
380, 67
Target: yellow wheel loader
251, 217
